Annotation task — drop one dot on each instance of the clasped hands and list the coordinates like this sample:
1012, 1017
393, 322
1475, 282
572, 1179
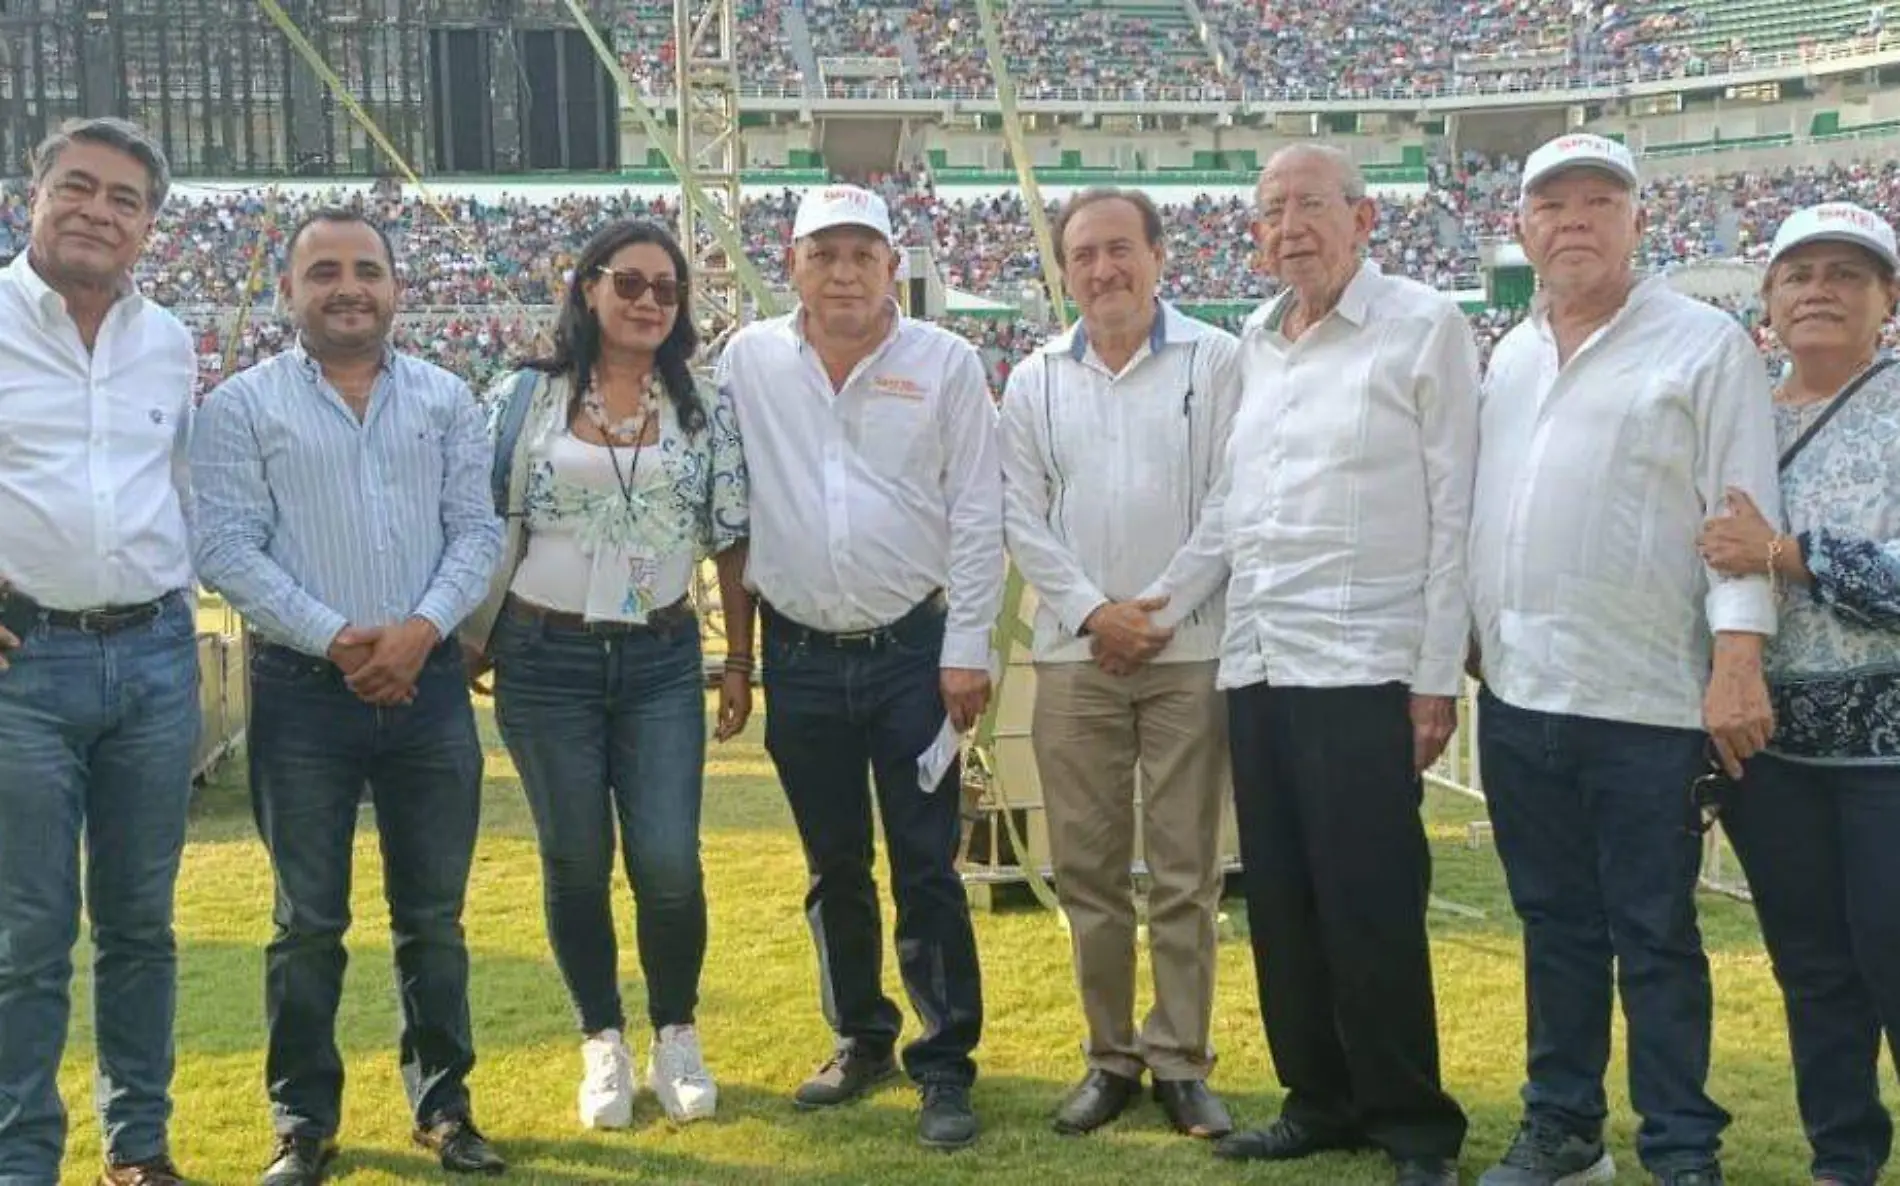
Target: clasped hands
1123, 635
381, 663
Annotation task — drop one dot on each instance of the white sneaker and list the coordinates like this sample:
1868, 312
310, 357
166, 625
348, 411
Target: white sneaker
677, 1073
607, 1085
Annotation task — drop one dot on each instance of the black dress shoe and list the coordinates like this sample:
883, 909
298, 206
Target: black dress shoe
1192, 1108
947, 1120
1098, 1099
1286, 1140
1430, 1171
847, 1075
460, 1148
298, 1161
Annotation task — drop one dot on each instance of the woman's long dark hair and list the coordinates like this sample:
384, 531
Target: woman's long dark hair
577, 337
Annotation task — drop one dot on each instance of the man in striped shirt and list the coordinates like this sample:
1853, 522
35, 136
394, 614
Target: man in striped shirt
343, 508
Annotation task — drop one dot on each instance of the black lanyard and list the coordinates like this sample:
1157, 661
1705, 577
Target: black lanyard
627, 480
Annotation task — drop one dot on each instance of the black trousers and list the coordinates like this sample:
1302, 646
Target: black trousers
1819, 844
1338, 876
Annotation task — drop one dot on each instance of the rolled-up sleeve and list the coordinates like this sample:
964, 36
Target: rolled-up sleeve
471, 532
233, 520
1736, 419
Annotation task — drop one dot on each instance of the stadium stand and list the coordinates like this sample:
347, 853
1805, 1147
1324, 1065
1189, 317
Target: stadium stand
497, 252
1272, 46
479, 286
1290, 47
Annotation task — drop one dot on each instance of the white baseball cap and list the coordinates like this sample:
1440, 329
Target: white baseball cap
1579, 150
1837, 222
841, 205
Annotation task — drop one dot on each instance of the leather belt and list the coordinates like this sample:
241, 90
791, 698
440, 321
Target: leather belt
105, 619
671, 617
874, 639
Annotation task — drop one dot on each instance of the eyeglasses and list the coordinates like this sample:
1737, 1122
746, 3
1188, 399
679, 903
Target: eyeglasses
630, 284
1707, 794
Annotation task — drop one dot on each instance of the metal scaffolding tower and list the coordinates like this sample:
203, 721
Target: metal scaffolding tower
711, 150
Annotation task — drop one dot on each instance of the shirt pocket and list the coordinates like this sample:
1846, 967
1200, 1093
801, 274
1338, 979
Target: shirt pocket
892, 433
1658, 430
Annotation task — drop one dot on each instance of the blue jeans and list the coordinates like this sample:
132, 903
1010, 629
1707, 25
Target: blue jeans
606, 729
835, 720
97, 734
1592, 820
313, 747
1821, 845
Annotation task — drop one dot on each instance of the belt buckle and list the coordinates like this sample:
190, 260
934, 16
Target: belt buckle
868, 640
96, 621
111, 621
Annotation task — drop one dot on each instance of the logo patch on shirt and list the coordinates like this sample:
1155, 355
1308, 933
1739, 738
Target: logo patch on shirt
898, 386
158, 417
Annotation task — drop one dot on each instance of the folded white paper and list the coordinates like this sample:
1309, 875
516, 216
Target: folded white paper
935, 761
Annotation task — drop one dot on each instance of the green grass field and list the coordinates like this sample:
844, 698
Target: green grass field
762, 1030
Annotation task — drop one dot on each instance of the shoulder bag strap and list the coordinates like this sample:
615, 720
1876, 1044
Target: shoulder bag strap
1793, 451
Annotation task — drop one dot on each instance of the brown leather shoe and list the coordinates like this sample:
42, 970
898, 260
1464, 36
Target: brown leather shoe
159, 1171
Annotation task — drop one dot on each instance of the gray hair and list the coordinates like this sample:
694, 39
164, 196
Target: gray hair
121, 134
1352, 180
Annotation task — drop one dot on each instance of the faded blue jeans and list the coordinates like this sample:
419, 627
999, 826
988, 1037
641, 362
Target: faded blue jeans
97, 734
610, 730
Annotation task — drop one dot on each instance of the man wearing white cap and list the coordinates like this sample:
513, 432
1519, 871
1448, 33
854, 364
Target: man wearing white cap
877, 555
1816, 822
1615, 664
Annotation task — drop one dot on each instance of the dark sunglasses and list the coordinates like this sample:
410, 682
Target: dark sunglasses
630, 284
1707, 795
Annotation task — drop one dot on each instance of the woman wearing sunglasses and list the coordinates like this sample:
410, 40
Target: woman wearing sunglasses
621, 476
1816, 820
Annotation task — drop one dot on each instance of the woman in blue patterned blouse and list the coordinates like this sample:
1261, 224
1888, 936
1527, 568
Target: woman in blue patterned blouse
620, 478
1816, 820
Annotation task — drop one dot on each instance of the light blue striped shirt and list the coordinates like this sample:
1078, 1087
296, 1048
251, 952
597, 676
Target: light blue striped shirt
307, 520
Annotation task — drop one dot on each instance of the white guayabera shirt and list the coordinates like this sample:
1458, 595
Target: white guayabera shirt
1105, 475
1344, 499
1594, 481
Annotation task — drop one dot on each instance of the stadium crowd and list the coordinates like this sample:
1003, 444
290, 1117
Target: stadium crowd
1295, 46
468, 277
1275, 46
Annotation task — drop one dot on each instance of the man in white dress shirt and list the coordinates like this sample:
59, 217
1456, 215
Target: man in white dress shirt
1341, 511
1112, 435
98, 653
877, 555
1614, 420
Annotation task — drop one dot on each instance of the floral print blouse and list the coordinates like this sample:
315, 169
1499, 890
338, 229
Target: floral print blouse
633, 550
1834, 667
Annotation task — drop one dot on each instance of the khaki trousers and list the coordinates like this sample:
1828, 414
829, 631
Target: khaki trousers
1091, 732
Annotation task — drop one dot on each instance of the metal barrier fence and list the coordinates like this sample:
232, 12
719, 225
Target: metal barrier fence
1006, 842
224, 698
